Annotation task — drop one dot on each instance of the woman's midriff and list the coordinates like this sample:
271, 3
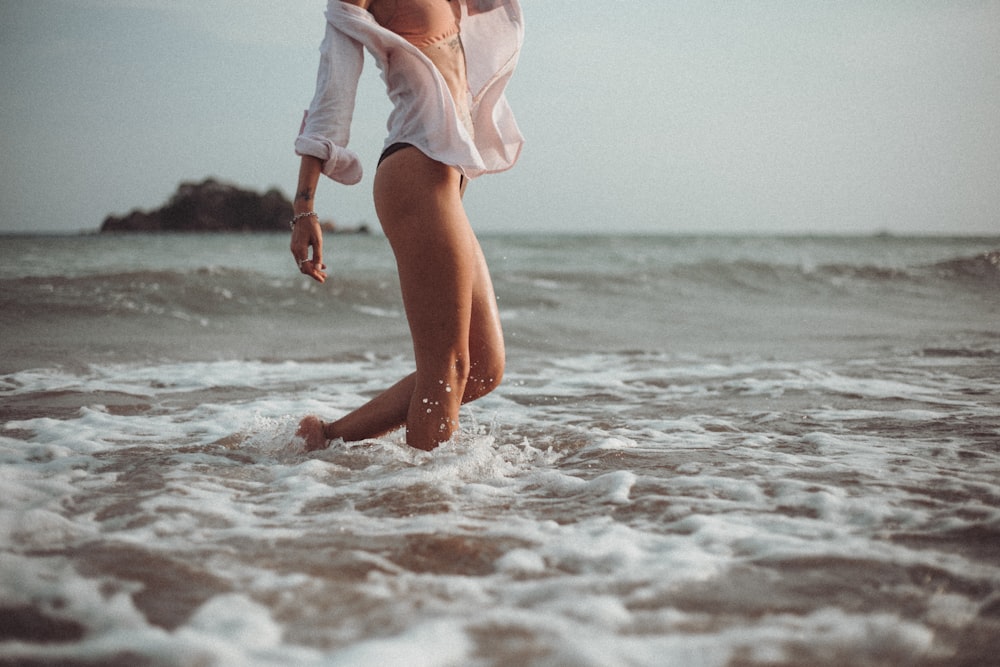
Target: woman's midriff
433, 27
449, 57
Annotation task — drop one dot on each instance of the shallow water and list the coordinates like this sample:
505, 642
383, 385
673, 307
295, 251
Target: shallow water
814, 480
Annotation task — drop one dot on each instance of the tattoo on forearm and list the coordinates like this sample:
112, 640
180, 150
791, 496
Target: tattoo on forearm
305, 195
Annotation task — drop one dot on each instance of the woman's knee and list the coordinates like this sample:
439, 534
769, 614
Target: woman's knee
485, 375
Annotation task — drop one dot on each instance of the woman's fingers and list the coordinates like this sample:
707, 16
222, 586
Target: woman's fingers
313, 270
307, 236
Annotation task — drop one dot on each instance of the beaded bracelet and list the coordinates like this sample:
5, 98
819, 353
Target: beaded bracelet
291, 223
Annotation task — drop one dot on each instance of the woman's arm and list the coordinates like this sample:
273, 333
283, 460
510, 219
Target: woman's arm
306, 232
322, 141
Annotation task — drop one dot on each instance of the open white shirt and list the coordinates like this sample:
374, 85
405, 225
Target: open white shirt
424, 112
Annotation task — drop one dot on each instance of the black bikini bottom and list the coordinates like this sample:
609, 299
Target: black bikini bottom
400, 145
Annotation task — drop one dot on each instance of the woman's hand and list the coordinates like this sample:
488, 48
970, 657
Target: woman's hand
308, 234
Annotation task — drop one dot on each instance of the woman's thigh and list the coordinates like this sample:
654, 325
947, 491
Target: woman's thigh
447, 291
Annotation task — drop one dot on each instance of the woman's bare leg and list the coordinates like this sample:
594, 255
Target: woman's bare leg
450, 307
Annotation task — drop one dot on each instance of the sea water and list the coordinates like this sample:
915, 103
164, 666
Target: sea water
707, 451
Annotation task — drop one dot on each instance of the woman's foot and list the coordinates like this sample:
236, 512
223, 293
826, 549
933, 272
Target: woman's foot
311, 430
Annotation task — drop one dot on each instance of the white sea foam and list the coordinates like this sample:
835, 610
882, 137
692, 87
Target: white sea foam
560, 547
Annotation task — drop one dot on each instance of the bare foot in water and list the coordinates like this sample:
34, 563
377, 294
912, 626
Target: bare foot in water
311, 430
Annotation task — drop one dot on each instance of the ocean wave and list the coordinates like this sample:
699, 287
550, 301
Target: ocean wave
213, 291
982, 269
194, 294
828, 300
977, 272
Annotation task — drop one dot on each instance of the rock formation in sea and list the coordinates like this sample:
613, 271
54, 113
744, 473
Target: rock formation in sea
213, 206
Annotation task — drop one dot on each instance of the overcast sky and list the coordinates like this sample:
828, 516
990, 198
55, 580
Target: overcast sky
804, 116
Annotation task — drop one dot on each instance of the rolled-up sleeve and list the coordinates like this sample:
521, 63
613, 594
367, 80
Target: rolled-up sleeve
326, 128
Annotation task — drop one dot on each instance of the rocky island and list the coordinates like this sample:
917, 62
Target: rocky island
213, 206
